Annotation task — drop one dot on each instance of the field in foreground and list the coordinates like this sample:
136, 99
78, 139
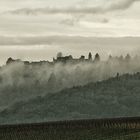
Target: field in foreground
100, 129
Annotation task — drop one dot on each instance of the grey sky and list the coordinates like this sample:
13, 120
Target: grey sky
23, 20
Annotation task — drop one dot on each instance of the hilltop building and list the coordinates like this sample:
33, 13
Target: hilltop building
62, 59
70, 59
15, 61
59, 59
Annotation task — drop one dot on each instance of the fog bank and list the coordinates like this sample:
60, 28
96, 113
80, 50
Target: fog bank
21, 82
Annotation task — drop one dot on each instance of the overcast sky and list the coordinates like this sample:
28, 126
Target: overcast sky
38, 29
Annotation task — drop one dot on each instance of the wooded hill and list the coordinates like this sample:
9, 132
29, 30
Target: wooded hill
115, 97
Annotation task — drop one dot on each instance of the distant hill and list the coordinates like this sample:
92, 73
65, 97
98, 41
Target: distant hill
116, 97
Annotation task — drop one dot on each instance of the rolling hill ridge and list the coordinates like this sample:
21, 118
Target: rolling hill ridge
115, 97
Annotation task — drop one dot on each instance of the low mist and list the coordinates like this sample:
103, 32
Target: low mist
19, 81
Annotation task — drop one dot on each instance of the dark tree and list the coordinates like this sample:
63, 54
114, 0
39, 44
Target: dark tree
117, 75
52, 81
97, 57
128, 58
90, 56
110, 58
121, 58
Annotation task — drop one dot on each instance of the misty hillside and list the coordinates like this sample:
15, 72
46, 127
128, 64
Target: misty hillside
115, 97
21, 81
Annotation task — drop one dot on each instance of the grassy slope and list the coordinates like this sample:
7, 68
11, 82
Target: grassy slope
119, 96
